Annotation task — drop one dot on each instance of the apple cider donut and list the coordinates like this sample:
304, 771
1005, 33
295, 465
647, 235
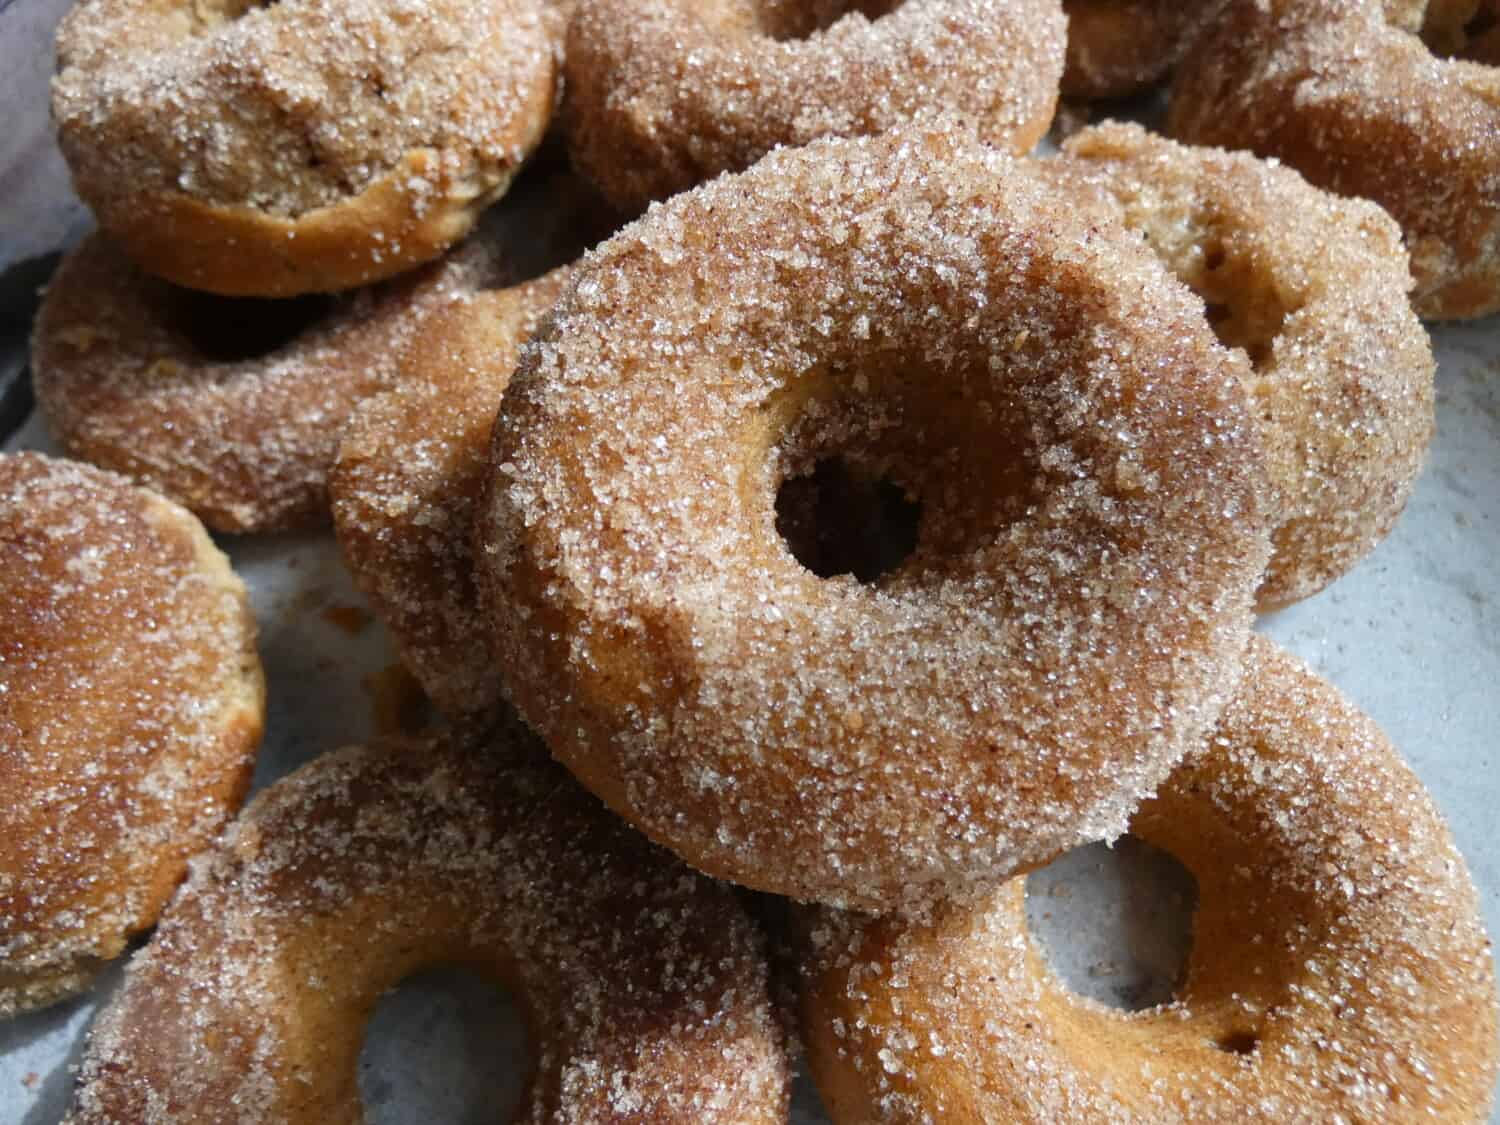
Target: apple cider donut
1121, 47
131, 706
664, 94
1339, 970
1323, 84
231, 406
1312, 288
261, 149
924, 308
409, 473
643, 984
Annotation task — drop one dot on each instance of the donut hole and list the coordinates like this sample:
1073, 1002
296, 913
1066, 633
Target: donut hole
446, 1044
790, 20
897, 479
235, 329
1241, 303
1463, 29
1238, 1042
214, 13
838, 519
1115, 924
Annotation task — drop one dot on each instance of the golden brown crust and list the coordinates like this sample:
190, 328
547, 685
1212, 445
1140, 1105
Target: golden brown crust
131, 705
1312, 289
928, 308
645, 985
1339, 971
664, 94
144, 378
304, 146
1121, 47
409, 473
1324, 85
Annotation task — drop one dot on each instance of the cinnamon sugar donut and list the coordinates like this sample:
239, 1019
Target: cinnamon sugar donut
274, 149
1312, 288
1361, 107
409, 473
1339, 970
131, 705
1121, 47
644, 985
234, 407
926, 309
664, 94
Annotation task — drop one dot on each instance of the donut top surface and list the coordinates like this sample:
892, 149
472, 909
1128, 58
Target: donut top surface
292, 106
644, 984
131, 703
1091, 529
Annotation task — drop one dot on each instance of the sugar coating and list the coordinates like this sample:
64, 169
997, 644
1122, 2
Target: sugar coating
131, 705
1312, 289
1323, 84
664, 94
645, 984
1120, 47
292, 106
1340, 971
246, 444
1072, 617
410, 470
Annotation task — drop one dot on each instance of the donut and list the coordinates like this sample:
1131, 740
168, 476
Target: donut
663, 94
1312, 288
1339, 969
271, 150
409, 473
644, 985
233, 406
131, 706
927, 311
1323, 85
1120, 47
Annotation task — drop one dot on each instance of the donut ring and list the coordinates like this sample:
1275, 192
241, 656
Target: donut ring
233, 408
906, 302
1339, 972
131, 705
1321, 86
264, 150
409, 474
1120, 47
1313, 289
645, 986
664, 94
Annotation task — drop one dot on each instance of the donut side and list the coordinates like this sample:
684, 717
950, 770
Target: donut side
1339, 969
409, 473
131, 706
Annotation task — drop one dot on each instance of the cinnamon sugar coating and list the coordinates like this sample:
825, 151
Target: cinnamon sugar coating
232, 407
644, 985
272, 149
1121, 47
1362, 107
664, 94
1091, 531
1311, 289
1339, 971
409, 474
131, 706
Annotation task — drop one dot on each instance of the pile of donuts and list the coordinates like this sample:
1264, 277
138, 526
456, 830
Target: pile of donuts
807, 512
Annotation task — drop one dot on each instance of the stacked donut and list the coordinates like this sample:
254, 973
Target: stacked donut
878, 516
